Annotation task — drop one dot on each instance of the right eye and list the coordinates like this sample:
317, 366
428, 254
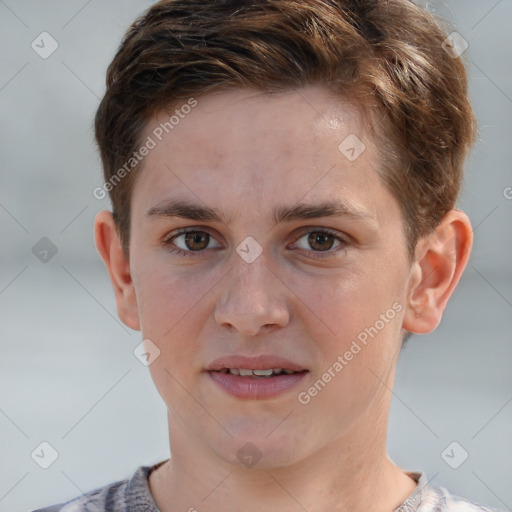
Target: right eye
190, 241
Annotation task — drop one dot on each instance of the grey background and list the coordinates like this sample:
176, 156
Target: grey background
68, 375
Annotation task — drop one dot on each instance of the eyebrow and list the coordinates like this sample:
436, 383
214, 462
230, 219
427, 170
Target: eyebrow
300, 211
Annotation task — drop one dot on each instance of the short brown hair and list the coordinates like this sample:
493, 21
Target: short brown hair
384, 54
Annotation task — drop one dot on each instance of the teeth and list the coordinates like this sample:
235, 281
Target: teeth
263, 373
256, 373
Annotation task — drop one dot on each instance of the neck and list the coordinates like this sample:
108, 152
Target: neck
350, 473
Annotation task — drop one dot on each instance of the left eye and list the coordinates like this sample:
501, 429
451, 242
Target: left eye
318, 241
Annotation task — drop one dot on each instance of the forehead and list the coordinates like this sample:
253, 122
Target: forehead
242, 147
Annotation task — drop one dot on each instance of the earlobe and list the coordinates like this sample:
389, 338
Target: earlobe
110, 249
441, 258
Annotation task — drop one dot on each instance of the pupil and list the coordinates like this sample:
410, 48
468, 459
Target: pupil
321, 241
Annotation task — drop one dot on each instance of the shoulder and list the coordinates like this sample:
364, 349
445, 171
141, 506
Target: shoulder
129, 494
109, 498
438, 498
434, 498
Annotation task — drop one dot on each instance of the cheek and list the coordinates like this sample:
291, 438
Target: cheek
171, 310
338, 303
172, 317
356, 352
356, 307
165, 296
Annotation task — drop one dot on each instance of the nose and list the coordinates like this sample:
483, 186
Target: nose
252, 298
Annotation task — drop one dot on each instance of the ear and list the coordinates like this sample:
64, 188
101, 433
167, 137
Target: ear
110, 249
440, 260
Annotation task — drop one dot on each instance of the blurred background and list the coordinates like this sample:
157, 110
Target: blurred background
68, 373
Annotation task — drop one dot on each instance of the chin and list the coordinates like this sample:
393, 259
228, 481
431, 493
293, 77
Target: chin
259, 443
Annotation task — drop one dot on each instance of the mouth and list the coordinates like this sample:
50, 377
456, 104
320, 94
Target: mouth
266, 373
256, 378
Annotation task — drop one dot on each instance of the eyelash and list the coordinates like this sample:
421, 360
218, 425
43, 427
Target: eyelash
168, 242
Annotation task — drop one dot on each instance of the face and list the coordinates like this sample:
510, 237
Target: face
260, 228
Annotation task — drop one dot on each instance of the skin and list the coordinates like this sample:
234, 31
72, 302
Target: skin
244, 153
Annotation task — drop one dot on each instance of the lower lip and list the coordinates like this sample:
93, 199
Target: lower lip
256, 388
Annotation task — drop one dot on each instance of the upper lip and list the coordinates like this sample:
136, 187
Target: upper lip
262, 362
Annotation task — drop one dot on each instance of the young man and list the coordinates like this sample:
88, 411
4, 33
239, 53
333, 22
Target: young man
283, 176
